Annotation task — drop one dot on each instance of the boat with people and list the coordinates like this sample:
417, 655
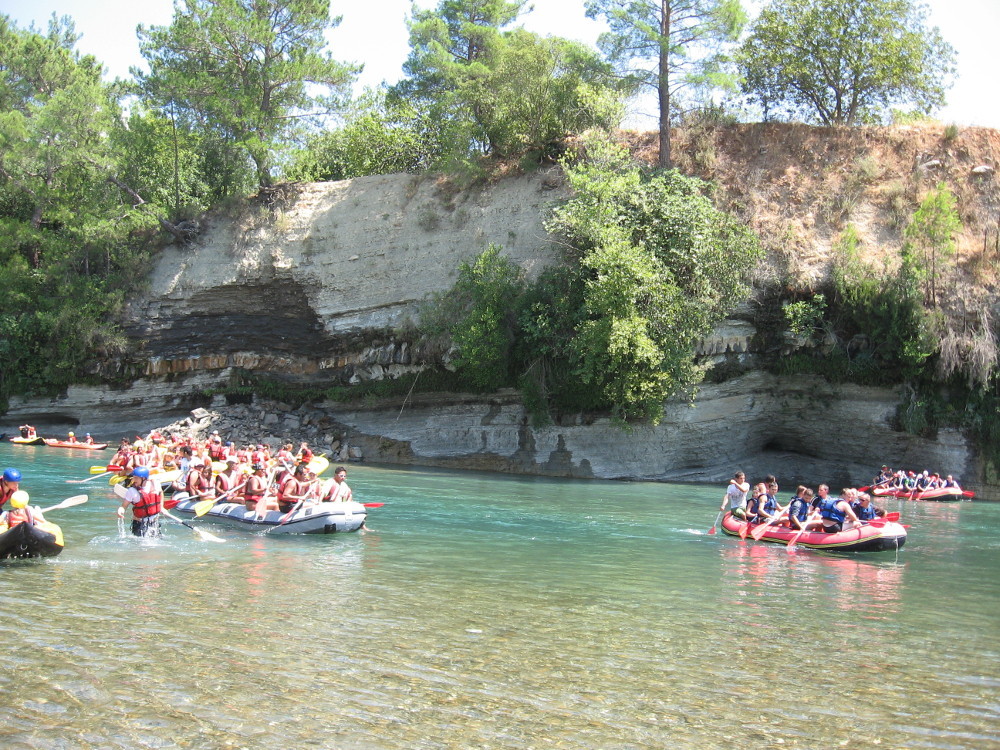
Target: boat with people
41, 539
321, 518
875, 536
53, 443
943, 494
28, 440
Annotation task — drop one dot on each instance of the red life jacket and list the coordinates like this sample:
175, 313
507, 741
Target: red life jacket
19, 515
5, 492
150, 504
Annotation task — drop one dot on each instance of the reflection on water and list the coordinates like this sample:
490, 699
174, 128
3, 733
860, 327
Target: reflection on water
506, 613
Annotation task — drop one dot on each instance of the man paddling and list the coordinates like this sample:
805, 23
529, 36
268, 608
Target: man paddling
736, 495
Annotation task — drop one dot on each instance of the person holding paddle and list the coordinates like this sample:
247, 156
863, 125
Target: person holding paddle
145, 498
836, 513
736, 495
227, 481
256, 488
295, 489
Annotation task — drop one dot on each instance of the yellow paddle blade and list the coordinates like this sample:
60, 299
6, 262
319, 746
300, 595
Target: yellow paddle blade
203, 506
98, 469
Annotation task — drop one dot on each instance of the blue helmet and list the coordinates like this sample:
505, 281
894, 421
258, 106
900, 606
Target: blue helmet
11, 475
140, 471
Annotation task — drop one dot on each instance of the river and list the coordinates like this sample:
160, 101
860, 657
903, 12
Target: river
485, 611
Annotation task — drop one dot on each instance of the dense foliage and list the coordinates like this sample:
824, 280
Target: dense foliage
501, 92
651, 266
844, 61
250, 70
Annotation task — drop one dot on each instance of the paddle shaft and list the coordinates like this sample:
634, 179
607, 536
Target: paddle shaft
89, 479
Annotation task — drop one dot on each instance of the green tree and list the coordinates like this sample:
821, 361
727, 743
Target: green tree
377, 137
930, 238
841, 62
660, 265
683, 38
65, 226
478, 315
502, 92
55, 114
252, 69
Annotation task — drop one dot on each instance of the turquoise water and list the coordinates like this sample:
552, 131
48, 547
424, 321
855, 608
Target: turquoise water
497, 612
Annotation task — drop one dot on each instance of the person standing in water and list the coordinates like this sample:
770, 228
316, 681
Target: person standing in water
145, 498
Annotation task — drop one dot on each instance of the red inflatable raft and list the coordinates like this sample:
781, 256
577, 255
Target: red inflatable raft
53, 443
874, 537
943, 494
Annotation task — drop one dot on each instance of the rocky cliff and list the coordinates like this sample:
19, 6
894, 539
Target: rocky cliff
315, 286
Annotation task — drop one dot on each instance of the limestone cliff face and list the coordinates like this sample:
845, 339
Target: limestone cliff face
295, 288
313, 287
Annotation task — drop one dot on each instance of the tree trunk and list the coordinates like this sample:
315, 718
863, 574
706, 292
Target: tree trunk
663, 85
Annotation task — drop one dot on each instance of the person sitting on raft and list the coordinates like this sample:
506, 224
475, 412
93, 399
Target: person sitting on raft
736, 496
759, 507
836, 513
10, 483
253, 494
294, 489
950, 483
20, 512
199, 484
884, 478
227, 482
338, 490
864, 509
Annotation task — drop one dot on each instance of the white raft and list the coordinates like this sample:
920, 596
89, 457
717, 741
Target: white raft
325, 518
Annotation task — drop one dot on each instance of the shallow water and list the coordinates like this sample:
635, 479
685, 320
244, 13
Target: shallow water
496, 612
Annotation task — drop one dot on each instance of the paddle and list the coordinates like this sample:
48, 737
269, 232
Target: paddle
88, 479
744, 529
712, 530
203, 506
69, 502
761, 529
376, 505
791, 542
104, 469
203, 535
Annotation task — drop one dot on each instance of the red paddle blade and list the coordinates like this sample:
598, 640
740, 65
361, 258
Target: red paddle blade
711, 531
744, 529
373, 505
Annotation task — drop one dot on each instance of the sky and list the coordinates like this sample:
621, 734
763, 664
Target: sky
373, 32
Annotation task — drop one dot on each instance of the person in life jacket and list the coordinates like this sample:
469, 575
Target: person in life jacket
71, 438
864, 509
837, 514
20, 512
10, 483
227, 482
338, 490
145, 498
